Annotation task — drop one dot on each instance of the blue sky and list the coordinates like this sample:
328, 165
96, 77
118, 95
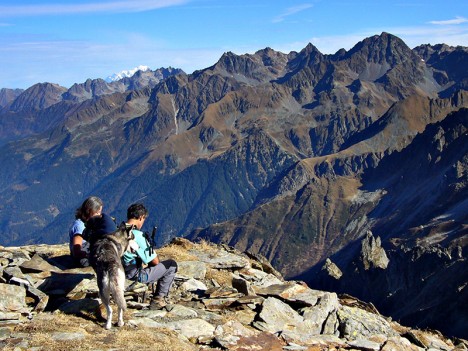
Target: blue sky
68, 41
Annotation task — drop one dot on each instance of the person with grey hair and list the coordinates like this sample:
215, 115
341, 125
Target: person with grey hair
79, 247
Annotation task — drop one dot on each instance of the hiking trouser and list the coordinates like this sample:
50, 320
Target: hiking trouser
163, 274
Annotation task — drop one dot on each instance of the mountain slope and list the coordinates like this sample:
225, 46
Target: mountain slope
422, 221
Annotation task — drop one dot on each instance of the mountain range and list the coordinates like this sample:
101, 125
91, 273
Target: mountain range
309, 159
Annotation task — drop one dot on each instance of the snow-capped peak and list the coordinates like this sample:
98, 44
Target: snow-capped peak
128, 73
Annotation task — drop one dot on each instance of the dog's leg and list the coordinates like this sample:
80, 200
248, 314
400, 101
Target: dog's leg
105, 297
119, 295
120, 321
109, 315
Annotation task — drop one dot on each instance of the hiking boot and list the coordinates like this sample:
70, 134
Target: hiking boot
157, 303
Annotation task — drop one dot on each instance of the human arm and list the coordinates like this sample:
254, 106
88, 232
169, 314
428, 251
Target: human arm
144, 250
77, 244
77, 239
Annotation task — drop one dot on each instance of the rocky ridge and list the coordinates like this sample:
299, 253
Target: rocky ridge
222, 299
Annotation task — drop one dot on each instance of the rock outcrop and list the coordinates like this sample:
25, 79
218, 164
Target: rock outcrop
372, 253
221, 300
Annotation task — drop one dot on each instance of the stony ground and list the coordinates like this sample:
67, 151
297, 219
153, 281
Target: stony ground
221, 300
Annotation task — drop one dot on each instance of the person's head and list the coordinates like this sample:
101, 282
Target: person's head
91, 207
136, 214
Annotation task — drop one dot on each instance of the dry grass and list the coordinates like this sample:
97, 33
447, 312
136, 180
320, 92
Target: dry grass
43, 328
180, 251
222, 276
176, 252
206, 246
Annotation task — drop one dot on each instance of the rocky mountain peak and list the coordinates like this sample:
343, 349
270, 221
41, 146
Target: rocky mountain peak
372, 254
374, 56
260, 67
308, 57
39, 96
141, 79
383, 48
87, 90
8, 95
426, 51
448, 65
271, 58
310, 49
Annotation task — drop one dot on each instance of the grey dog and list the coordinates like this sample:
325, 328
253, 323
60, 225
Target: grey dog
105, 257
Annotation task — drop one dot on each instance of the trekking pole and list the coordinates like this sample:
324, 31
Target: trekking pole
153, 235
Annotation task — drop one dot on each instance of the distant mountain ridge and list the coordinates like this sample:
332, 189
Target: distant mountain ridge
293, 156
8, 95
20, 109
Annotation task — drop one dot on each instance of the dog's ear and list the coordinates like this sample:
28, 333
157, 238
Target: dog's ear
129, 231
123, 226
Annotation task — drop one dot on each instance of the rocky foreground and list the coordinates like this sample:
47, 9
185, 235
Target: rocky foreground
221, 300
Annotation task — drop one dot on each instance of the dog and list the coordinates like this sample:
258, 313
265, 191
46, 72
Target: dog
105, 258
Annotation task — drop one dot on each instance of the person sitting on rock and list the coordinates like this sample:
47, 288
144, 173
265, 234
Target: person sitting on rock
97, 226
143, 264
79, 247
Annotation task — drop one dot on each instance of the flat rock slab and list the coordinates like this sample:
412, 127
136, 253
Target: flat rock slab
12, 298
191, 328
291, 292
223, 260
356, 323
38, 264
191, 269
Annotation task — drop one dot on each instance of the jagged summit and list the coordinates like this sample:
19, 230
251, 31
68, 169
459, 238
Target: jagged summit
375, 56
8, 95
39, 96
309, 56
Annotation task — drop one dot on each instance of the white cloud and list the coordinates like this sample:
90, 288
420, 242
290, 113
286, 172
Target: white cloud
291, 11
456, 20
96, 7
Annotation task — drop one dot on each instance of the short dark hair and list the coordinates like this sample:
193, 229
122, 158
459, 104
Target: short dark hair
135, 211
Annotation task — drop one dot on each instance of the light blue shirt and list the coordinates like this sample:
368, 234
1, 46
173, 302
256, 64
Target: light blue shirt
144, 250
76, 229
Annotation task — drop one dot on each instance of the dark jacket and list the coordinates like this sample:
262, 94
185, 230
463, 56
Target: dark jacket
97, 227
